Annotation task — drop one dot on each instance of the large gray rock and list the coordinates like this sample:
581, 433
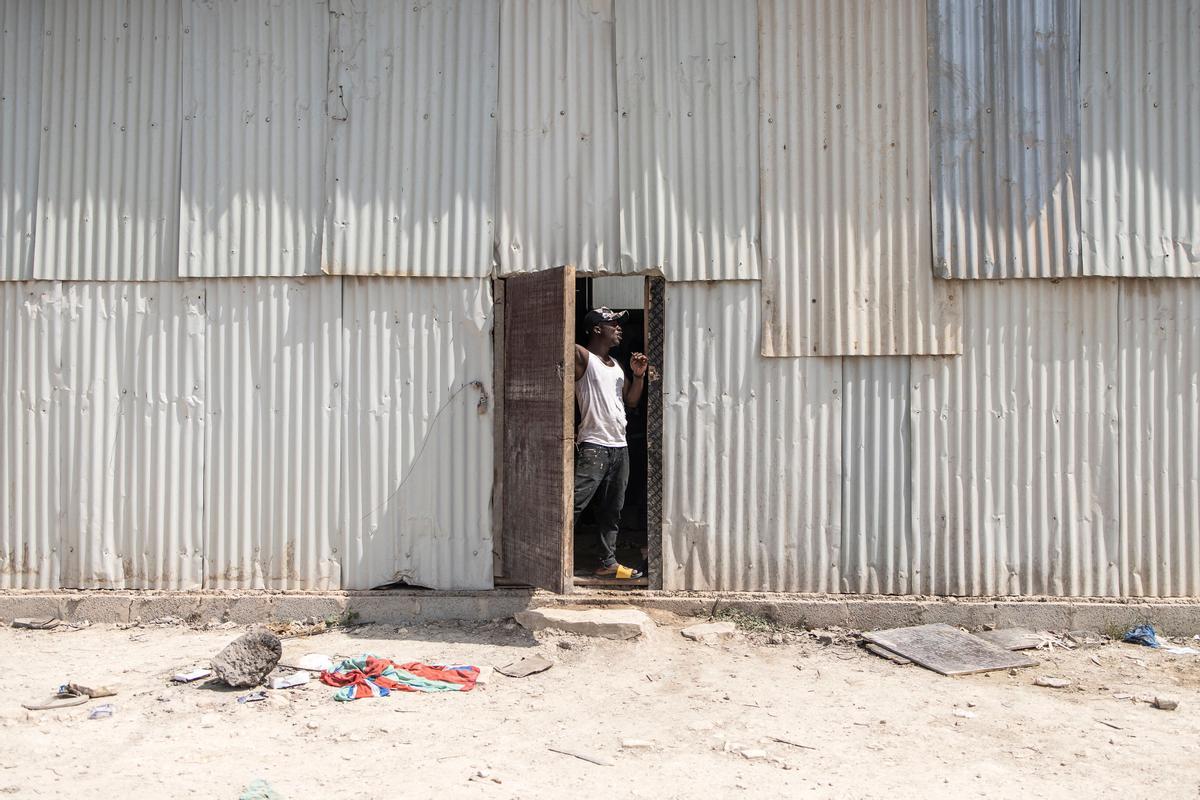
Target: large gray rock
248, 659
606, 623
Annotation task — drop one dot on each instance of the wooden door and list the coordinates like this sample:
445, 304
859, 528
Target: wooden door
538, 441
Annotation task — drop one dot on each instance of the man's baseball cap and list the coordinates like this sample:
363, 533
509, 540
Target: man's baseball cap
603, 316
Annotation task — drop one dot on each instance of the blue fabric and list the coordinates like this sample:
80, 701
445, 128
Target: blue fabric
1143, 635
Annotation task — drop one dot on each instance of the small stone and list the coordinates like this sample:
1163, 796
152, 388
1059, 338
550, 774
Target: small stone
1165, 703
776, 638
709, 631
1052, 683
563, 644
970, 704
247, 660
823, 638
754, 754
312, 726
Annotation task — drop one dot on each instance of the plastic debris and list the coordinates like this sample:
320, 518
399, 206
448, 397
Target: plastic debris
102, 712
260, 790
253, 697
1143, 635
298, 678
315, 662
192, 675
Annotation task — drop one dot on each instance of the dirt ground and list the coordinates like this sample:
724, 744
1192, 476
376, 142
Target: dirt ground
673, 718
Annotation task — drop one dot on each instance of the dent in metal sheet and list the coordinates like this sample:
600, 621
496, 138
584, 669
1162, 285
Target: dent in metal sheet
412, 138
31, 431
557, 124
752, 455
254, 83
132, 401
845, 188
1004, 126
272, 435
21, 35
1014, 448
687, 72
108, 174
1160, 438
1140, 95
418, 433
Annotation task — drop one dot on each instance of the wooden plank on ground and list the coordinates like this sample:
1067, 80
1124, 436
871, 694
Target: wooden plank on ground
946, 650
1013, 638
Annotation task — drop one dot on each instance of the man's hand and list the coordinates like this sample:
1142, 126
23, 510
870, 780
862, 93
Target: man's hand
639, 364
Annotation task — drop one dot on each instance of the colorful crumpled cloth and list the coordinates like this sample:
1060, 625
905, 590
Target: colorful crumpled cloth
370, 676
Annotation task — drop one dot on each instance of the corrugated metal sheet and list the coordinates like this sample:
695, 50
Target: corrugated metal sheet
108, 174
1004, 130
845, 192
687, 72
558, 136
1160, 437
418, 433
413, 138
272, 436
253, 183
751, 454
31, 433
21, 24
1140, 91
131, 401
1015, 451
877, 535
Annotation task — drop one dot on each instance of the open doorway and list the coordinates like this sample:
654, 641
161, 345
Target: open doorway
537, 321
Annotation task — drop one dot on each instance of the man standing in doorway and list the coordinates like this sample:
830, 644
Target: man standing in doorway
601, 454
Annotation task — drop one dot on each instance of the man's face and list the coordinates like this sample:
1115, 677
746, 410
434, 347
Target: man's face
610, 333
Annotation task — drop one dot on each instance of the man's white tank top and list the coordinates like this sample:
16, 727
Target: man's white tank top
601, 403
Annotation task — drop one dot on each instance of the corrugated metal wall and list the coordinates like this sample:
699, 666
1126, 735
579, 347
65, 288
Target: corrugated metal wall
845, 188
1004, 133
253, 182
21, 24
413, 138
557, 122
108, 171
687, 72
1140, 98
417, 472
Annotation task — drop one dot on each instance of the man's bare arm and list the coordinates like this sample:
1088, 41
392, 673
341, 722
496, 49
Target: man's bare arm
581, 359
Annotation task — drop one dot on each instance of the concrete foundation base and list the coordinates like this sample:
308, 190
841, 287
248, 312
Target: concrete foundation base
1173, 617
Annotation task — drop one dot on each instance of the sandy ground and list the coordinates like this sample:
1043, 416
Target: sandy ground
875, 729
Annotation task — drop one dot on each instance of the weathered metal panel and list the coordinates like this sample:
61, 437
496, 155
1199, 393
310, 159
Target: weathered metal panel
412, 138
1014, 445
877, 535
31, 431
21, 35
108, 171
253, 175
272, 435
1004, 130
1140, 98
752, 461
417, 472
845, 187
1160, 438
132, 406
557, 122
687, 73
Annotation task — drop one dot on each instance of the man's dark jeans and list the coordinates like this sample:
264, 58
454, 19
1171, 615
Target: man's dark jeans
602, 472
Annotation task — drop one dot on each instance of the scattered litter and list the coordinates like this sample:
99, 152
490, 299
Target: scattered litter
102, 712
1015, 638
790, 743
1182, 651
1052, 683
88, 691
253, 697
1165, 703
946, 650
964, 714
598, 760
37, 624
61, 699
485, 775
369, 676
883, 652
260, 790
754, 754
298, 678
525, 667
1112, 725
315, 662
1086, 638
1143, 635
191, 675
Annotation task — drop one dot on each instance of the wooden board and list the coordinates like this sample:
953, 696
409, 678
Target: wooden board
946, 649
1013, 638
539, 427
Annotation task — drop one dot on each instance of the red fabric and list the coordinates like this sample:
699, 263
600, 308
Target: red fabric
364, 681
